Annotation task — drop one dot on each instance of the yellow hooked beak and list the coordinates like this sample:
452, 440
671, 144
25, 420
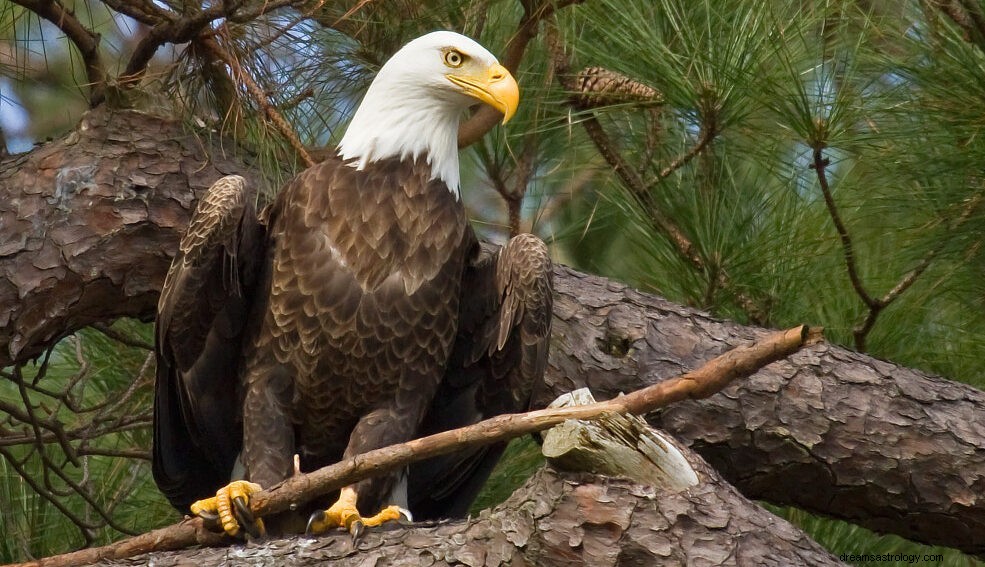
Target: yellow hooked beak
495, 87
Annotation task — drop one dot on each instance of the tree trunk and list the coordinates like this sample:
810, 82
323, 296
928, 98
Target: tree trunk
554, 519
88, 225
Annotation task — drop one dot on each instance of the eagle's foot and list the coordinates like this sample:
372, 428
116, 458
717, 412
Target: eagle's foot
230, 510
343, 514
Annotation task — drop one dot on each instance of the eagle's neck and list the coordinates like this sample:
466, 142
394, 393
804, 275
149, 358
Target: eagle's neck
406, 125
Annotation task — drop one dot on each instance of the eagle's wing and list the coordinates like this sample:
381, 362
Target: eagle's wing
499, 358
201, 319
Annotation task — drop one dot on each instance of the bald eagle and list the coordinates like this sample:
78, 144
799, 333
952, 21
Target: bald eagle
358, 311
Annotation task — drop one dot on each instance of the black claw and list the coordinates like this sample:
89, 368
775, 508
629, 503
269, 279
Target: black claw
245, 517
357, 529
316, 516
210, 520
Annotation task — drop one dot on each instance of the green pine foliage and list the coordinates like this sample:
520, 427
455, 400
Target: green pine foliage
889, 99
89, 481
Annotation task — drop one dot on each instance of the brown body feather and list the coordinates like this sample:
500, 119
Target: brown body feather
375, 316
364, 283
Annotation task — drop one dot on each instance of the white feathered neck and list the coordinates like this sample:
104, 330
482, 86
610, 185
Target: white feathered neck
412, 110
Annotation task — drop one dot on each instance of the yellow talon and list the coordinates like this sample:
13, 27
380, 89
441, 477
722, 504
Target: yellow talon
343, 514
235, 494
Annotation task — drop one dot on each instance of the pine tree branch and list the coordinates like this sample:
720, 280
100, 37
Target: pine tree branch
84, 39
522, 174
967, 15
122, 338
272, 114
533, 14
570, 519
611, 86
708, 134
876, 305
910, 277
838, 419
703, 382
819, 166
143, 11
169, 28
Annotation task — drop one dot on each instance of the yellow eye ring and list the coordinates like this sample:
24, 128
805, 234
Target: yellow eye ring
454, 58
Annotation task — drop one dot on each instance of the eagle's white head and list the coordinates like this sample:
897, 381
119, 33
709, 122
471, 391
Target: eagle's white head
414, 104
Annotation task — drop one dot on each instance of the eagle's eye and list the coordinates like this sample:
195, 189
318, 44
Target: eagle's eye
454, 58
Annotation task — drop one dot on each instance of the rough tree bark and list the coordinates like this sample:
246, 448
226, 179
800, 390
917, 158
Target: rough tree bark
88, 224
827, 429
562, 520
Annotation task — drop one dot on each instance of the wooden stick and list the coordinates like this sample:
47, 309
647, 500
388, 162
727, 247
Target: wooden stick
703, 382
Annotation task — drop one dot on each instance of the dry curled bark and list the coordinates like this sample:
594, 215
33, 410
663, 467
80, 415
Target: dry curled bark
563, 520
829, 430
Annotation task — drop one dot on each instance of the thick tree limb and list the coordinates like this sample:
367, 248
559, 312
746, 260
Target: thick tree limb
894, 449
571, 520
556, 520
89, 223
303, 488
827, 429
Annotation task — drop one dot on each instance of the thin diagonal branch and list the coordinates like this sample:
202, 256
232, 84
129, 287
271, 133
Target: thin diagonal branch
861, 331
638, 189
707, 136
122, 338
259, 97
819, 166
628, 175
703, 382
